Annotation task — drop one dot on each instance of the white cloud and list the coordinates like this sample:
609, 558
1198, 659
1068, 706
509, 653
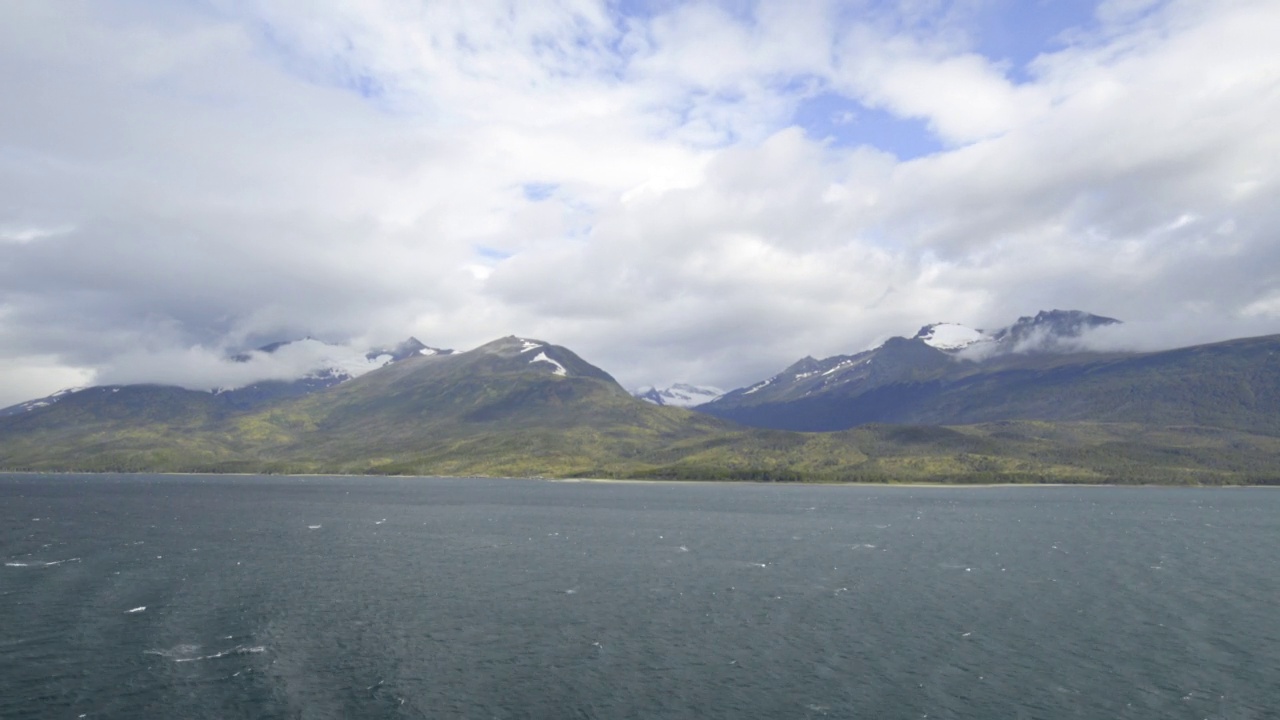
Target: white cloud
963, 96
23, 234
223, 175
31, 377
204, 368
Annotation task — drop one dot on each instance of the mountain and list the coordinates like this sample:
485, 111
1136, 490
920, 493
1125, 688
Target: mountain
406, 349
38, 403
1049, 331
324, 365
307, 365
312, 359
679, 395
1052, 331
937, 351
833, 380
1030, 371
515, 406
524, 407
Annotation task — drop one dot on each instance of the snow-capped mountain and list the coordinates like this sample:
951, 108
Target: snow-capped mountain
897, 360
518, 354
38, 403
937, 351
1049, 331
900, 367
679, 395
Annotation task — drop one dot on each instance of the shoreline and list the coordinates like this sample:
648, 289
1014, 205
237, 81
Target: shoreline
644, 481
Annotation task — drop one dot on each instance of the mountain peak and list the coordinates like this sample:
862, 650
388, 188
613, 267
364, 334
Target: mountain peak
514, 353
679, 395
511, 346
407, 348
1048, 328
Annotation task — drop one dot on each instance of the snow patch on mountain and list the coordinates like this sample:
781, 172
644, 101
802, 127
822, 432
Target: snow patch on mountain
38, 403
679, 395
840, 366
542, 357
950, 336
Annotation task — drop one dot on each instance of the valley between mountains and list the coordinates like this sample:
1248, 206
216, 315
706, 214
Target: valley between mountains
1030, 403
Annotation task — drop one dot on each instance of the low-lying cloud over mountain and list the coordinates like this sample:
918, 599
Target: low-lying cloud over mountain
679, 191
201, 369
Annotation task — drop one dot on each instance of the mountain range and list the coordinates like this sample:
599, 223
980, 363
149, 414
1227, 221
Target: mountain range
1028, 403
946, 374
680, 395
303, 366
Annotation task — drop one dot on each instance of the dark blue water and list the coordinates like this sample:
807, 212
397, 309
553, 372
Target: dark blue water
226, 597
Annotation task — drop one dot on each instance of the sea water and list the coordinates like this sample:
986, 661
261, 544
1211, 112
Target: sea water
283, 597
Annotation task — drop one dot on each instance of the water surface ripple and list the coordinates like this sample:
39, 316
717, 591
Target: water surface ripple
269, 597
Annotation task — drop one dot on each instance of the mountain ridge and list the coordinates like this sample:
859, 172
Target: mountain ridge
523, 407
935, 352
1229, 384
679, 394
330, 365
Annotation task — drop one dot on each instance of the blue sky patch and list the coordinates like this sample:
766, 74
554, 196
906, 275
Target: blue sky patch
489, 253
1017, 31
847, 123
537, 192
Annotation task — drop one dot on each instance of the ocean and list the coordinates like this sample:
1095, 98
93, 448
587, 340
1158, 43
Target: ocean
142, 596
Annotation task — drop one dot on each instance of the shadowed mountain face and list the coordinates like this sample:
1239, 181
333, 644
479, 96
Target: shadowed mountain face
937, 352
1234, 384
1049, 330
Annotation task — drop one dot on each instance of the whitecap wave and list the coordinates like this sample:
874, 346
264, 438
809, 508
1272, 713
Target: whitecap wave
189, 653
175, 652
51, 563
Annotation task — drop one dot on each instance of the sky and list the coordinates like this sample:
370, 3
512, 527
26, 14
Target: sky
677, 191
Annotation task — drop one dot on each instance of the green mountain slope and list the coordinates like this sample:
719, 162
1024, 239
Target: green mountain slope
523, 408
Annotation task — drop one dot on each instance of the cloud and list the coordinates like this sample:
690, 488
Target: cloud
25, 233
202, 368
964, 97
21, 373
183, 180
